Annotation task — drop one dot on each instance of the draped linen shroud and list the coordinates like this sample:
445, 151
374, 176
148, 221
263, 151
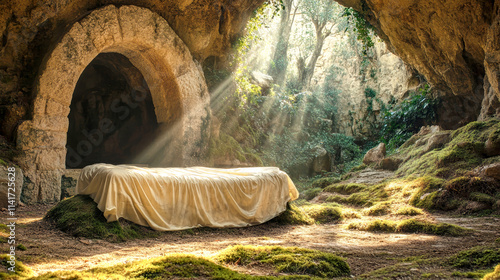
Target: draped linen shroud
180, 198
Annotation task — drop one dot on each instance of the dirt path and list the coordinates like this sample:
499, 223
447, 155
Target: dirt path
49, 249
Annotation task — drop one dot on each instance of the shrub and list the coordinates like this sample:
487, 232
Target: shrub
402, 121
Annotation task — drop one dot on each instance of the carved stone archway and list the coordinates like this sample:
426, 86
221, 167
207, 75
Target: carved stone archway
176, 82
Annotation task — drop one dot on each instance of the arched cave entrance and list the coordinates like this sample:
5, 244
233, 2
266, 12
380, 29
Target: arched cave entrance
178, 92
112, 116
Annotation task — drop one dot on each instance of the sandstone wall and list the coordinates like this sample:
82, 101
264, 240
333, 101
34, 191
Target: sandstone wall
352, 74
30, 29
454, 43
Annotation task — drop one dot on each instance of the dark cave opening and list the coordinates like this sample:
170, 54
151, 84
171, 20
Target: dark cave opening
112, 116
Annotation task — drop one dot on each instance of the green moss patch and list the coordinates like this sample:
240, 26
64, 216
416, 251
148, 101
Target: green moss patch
20, 270
79, 216
323, 213
293, 215
409, 211
311, 193
345, 188
378, 209
324, 182
288, 260
477, 257
360, 195
462, 153
170, 267
494, 275
226, 147
410, 226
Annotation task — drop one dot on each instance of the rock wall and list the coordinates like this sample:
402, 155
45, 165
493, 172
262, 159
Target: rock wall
29, 29
455, 44
381, 72
178, 91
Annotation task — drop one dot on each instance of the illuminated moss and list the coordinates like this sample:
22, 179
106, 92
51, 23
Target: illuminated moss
287, 259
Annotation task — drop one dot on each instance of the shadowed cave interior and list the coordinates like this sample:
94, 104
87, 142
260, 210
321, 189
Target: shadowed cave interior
112, 115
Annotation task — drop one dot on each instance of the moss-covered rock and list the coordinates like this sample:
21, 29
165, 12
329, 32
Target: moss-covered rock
464, 151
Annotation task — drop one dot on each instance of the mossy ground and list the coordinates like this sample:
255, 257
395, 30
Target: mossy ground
295, 263
495, 275
79, 216
20, 270
289, 259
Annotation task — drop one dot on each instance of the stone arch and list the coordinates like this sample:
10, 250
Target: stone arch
176, 82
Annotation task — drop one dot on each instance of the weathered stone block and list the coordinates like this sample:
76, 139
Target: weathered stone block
15, 189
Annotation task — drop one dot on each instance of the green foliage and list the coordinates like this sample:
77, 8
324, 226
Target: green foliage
360, 195
402, 121
370, 93
477, 257
287, 259
427, 192
362, 28
80, 217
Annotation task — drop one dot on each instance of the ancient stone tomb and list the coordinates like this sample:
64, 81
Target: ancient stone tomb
119, 87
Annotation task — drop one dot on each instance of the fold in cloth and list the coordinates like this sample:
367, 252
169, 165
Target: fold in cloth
180, 198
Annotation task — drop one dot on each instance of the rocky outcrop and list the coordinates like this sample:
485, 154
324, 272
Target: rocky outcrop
455, 44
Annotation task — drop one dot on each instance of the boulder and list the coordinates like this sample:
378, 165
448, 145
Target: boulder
375, 155
492, 145
424, 130
491, 170
437, 141
321, 160
262, 80
4, 187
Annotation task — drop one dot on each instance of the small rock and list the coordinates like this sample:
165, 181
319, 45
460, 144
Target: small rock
437, 141
424, 130
375, 155
390, 163
491, 170
474, 206
86, 241
492, 147
262, 80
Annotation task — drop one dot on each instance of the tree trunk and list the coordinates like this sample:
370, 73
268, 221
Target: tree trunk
306, 73
279, 63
